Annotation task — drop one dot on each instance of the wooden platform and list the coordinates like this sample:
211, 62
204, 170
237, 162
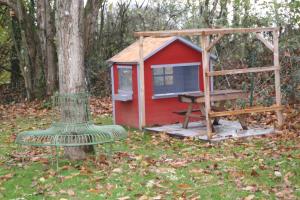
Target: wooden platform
226, 129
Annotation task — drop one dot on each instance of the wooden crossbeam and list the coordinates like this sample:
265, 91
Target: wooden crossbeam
266, 42
241, 71
217, 95
204, 31
214, 42
246, 111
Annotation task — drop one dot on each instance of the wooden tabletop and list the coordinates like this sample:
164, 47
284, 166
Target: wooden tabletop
216, 95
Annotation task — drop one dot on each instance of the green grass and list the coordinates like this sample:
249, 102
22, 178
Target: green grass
153, 165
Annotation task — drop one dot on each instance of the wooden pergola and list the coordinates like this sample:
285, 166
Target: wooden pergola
207, 45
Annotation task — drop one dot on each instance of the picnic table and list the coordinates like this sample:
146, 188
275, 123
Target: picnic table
216, 95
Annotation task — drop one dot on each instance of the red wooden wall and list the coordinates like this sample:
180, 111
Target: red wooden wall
127, 113
160, 111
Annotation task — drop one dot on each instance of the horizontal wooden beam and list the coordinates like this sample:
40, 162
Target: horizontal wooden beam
196, 115
214, 42
204, 31
241, 71
246, 111
217, 95
266, 42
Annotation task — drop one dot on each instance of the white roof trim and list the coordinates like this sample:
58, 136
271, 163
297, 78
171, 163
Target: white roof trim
167, 43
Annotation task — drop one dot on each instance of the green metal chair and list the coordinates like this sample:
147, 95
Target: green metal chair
73, 126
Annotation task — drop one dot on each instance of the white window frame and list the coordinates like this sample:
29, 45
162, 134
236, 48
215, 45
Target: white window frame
120, 91
124, 95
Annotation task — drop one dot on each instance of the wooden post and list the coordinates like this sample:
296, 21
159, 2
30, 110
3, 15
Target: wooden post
205, 65
142, 85
277, 76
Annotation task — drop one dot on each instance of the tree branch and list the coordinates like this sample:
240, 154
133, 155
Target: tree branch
10, 3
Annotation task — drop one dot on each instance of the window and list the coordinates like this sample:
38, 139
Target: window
125, 84
175, 79
163, 76
125, 79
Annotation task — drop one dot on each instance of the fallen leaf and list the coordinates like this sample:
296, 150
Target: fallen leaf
197, 171
165, 170
184, 186
150, 183
178, 164
250, 188
254, 173
70, 192
157, 197
286, 178
93, 190
117, 170
42, 179
277, 173
250, 197
143, 197
124, 198
109, 186
7, 176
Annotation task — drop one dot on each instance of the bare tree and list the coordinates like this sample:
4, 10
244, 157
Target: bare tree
91, 12
32, 66
46, 31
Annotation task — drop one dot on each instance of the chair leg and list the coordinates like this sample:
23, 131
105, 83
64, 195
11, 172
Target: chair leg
216, 121
96, 152
242, 120
53, 154
20, 149
56, 157
187, 116
108, 148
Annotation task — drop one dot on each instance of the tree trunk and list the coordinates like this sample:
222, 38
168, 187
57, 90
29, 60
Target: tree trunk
45, 21
29, 53
15, 78
91, 13
69, 24
31, 47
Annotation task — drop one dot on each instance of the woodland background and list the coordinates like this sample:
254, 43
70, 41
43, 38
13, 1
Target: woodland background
28, 56
148, 166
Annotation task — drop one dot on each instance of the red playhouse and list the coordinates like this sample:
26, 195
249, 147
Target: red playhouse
147, 96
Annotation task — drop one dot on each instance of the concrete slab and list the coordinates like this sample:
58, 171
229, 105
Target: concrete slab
226, 129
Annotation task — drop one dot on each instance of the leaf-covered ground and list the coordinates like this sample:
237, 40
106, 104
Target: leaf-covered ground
150, 166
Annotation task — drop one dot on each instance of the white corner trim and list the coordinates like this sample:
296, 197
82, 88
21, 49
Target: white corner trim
124, 67
172, 95
139, 96
113, 93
